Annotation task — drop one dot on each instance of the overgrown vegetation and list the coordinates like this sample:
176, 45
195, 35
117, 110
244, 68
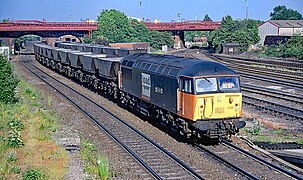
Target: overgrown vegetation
94, 163
115, 27
245, 32
292, 48
8, 82
27, 150
31, 174
267, 132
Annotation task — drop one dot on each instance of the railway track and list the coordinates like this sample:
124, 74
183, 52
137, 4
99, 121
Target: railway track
152, 157
273, 107
248, 164
157, 161
289, 68
298, 99
264, 76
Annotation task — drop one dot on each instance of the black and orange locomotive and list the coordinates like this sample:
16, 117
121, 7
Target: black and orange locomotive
197, 98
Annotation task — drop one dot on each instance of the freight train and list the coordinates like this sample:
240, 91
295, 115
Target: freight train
196, 98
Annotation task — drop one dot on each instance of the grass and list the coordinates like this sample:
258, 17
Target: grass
94, 163
266, 132
27, 150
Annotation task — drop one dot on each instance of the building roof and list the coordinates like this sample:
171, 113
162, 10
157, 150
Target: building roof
287, 23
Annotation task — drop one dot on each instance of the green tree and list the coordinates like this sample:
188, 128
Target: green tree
8, 82
114, 26
6, 20
140, 33
282, 13
87, 39
18, 42
207, 18
245, 32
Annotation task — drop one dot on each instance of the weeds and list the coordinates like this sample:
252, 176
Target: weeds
103, 167
11, 156
277, 131
94, 163
14, 139
255, 130
33, 174
25, 139
16, 170
15, 124
49, 101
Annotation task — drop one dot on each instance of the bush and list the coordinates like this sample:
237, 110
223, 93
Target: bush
8, 82
32, 174
292, 48
14, 139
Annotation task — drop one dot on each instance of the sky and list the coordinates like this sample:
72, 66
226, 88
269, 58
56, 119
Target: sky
164, 10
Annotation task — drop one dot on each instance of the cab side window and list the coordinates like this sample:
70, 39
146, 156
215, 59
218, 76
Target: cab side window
186, 85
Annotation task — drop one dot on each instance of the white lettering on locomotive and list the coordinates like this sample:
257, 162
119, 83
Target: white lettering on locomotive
146, 84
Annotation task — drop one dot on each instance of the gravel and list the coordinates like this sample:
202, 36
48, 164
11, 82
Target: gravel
75, 126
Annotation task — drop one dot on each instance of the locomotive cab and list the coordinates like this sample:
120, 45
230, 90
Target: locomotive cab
212, 103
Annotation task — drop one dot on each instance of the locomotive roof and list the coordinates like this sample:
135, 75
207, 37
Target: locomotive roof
174, 66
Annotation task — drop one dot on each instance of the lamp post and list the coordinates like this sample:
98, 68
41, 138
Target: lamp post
179, 15
141, 10
246, 14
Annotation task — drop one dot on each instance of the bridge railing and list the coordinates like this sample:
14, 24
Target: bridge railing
186, 25
27, 25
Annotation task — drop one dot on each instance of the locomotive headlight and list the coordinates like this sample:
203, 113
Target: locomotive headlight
236, 100
230, 100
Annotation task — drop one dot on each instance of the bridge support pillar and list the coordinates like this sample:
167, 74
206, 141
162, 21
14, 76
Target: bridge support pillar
179, 39
8, 41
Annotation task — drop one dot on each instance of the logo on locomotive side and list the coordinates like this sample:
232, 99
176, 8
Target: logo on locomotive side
146, 86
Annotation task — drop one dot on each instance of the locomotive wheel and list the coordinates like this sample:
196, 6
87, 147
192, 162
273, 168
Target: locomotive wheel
164, 120
68, 72
47, 63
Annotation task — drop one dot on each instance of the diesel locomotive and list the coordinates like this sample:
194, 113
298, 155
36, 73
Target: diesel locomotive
196, 98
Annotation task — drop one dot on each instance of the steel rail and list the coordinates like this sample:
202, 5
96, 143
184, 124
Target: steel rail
249, 62
260, 88
262, 160
231, 165
261, 77
280, 62
298, 115
273, 95
197, 176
